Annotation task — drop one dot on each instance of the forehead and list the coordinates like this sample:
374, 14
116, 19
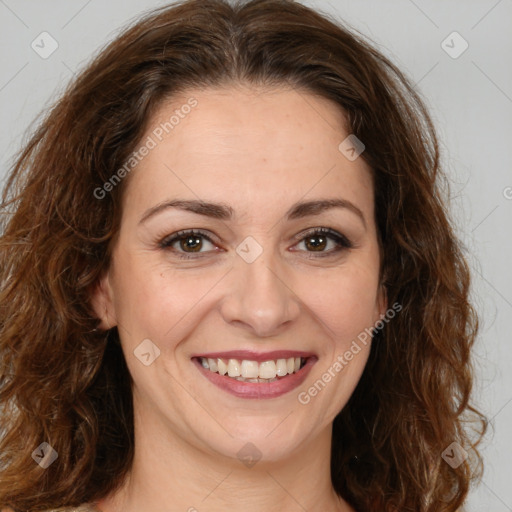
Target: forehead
244, 121
254, 146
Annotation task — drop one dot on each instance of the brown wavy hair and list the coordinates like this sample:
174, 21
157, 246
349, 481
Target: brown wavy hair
63, 382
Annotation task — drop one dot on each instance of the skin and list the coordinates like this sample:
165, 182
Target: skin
259, 151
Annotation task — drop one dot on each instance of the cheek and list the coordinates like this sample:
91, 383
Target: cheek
151, 301
344, 301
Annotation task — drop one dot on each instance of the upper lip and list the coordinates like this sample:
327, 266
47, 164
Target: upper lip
256, 356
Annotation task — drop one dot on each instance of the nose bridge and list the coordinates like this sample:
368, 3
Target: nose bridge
259, 296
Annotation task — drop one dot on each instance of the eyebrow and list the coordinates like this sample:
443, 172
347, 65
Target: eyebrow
222, 211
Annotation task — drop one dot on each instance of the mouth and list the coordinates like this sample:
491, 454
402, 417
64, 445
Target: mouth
251, 375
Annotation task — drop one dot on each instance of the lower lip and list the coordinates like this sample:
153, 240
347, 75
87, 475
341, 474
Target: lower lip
260, 390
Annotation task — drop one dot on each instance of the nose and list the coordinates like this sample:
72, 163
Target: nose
260, 297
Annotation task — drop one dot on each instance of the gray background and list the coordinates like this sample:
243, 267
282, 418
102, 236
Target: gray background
470, 98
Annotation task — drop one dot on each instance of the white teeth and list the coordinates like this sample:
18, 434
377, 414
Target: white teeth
281, 367
233, 368
268, 370
252, 371
223, 367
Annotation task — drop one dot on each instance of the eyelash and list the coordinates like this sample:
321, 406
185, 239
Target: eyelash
342, 241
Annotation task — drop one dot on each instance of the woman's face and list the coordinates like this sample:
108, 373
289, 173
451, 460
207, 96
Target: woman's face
256, 286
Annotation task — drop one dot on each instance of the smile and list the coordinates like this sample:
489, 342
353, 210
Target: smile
250, 375
252, 371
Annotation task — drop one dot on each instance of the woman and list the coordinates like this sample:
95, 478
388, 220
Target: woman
229, 280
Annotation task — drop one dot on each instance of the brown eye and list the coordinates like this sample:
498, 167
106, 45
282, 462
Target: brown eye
187, 242
316, 243
194, 243
325, 242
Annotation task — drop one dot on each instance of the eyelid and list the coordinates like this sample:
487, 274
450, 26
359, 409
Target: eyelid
320, 229
343, 243
174, 237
